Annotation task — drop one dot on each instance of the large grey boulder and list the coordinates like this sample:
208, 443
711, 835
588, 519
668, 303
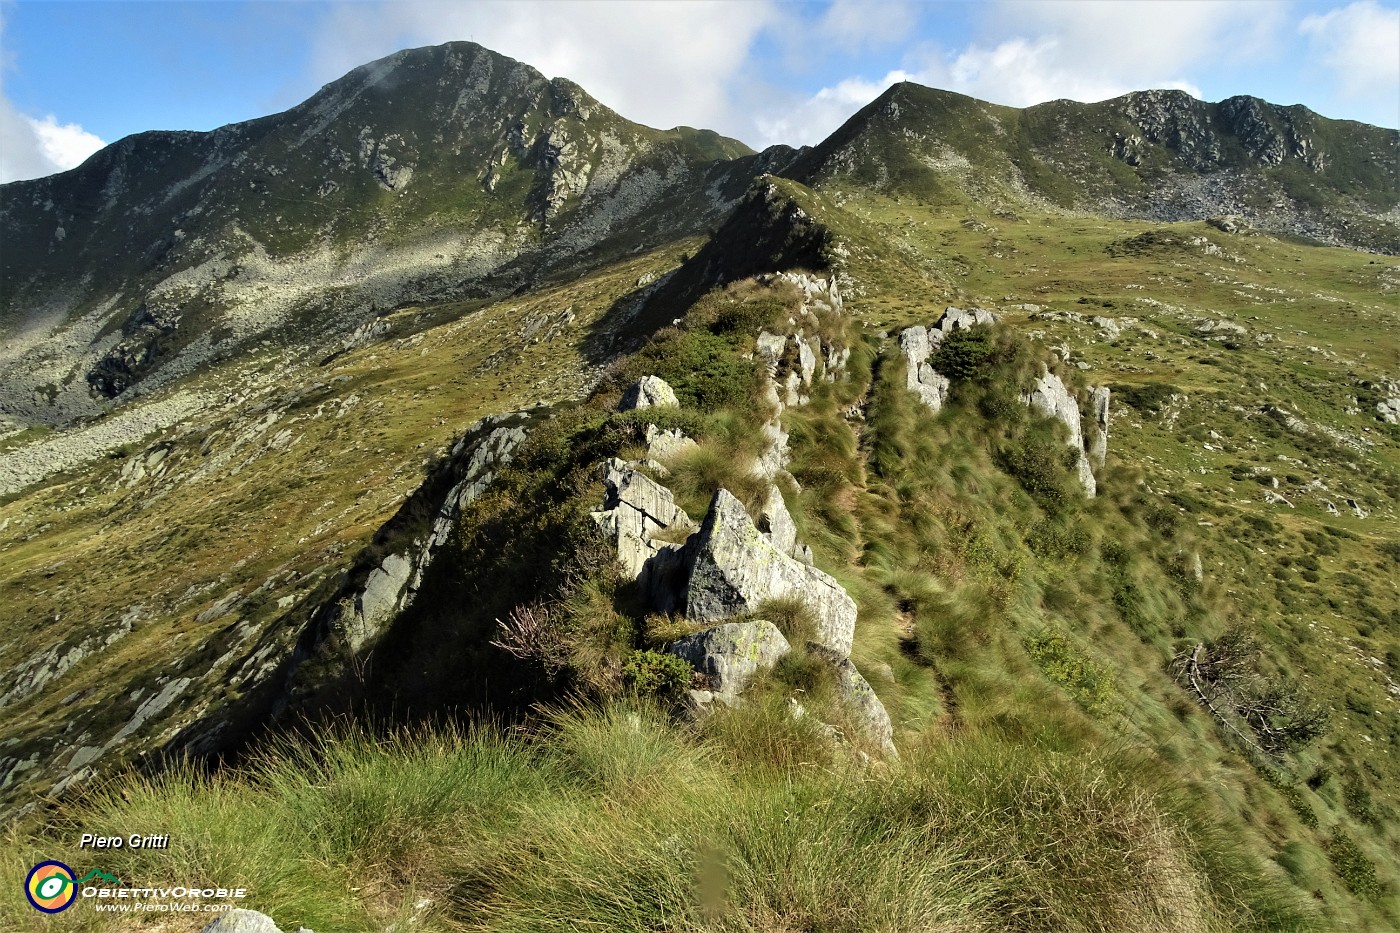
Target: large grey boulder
1050, 398
957, 318
734, 568
649, 392
731, 655
240, 920
1388, 410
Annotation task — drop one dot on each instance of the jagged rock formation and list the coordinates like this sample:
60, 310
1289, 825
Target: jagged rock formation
919, 343
342, 624
360, 616
1052, 399
734, 569
636, 512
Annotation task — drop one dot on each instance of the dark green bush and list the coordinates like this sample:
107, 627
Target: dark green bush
964, 353
1041, 463
705, 370
1148, 398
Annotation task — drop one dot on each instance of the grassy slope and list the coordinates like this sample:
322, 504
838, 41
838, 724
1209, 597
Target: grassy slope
265, 518
1021, 648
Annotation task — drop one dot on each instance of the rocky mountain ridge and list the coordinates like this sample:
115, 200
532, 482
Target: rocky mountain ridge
455, 171
1158, 154
447, 171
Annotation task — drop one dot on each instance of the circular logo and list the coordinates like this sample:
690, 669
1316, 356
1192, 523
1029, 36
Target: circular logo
50, 887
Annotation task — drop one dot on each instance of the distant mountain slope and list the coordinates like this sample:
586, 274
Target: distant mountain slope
1153, 154
427, 171
452, 171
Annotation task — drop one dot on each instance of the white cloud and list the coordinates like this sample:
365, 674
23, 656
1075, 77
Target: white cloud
31, 148
812, 120
1021, 72
66, 145
661, 64
1050, 49
1359, 48
857, 24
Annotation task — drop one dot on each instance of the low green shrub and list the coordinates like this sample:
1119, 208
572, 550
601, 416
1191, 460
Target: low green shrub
965, 353
649, 673
1088, 683
1357, 871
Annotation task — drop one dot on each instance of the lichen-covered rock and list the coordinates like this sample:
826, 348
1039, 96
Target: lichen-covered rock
635, 510
733, 568
649, 392
731, 655
863, 706
1050, 398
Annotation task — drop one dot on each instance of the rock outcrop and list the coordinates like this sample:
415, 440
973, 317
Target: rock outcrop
1098, 431
919, 343
866, 712
648, 392
389, 588
663, 445
922, 379
733, 568
636, 510
1052, 399
729, 656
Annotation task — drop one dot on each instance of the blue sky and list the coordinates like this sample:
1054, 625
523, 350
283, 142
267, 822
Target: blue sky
77, 75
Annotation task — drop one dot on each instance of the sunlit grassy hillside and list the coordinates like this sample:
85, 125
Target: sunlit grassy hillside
1056, 773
